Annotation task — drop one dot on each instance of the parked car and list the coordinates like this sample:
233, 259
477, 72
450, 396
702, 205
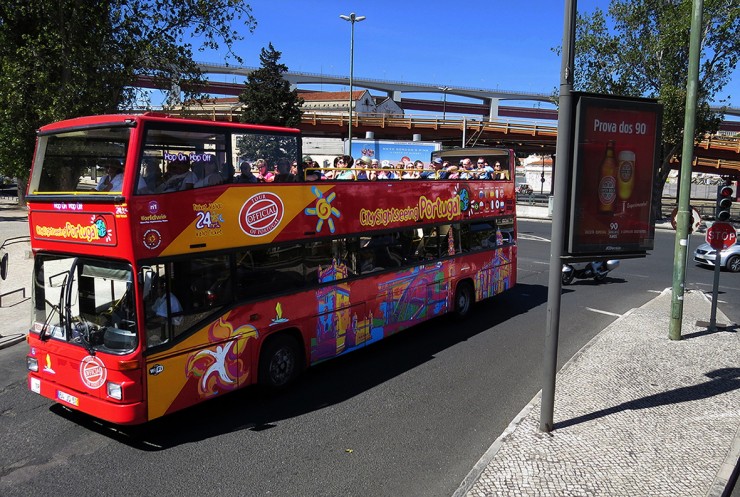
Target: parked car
729, 257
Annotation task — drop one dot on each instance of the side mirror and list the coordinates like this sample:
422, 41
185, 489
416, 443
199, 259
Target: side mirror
4, 265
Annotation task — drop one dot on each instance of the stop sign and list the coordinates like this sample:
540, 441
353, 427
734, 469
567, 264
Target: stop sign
721, 236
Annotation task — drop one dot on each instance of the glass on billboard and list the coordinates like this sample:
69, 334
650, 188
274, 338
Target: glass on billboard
615, 160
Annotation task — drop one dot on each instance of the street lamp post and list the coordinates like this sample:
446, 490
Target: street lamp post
352, 18
444, 89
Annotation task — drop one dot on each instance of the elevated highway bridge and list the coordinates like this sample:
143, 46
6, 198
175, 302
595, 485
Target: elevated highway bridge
719, 155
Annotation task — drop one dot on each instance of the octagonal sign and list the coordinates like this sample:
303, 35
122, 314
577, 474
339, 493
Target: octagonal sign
721, 236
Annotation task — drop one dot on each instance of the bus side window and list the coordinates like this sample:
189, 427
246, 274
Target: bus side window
479, 236
449, 239
428, 247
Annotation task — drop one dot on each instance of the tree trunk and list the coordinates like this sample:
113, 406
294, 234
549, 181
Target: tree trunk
22, 185
660, 179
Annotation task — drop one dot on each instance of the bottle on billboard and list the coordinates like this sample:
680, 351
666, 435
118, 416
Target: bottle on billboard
625, 175
607, 182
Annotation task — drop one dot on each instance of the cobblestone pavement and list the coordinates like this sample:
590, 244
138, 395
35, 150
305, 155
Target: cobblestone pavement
635, 414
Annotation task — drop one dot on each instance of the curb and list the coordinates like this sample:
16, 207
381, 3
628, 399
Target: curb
722, 483
11, 340
472, 477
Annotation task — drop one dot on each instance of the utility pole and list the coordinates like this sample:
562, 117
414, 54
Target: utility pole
683, 215
352, 18
563, 158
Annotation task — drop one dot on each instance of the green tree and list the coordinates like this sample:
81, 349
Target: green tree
65, 58
268, 100
643, 51
267, 96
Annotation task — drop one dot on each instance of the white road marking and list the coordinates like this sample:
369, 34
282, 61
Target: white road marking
604, 312
525, 236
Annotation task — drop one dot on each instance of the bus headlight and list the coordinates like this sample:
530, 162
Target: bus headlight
115, 391
32, 364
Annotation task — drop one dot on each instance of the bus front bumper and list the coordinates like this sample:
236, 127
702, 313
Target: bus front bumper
122, 414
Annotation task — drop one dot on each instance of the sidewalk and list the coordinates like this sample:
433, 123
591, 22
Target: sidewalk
636, 414
15, 308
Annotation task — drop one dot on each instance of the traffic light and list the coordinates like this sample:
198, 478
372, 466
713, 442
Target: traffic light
724, 203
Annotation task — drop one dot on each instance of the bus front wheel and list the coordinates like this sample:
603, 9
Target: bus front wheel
280, 362
463, 299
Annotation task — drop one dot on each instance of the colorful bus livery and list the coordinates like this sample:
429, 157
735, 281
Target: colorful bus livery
271, 213
147, 301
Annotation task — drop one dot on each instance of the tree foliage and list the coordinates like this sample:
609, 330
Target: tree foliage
642, 50
267, 96
268, 100
65, 58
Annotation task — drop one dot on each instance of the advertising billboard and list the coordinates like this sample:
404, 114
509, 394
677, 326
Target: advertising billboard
392, 150
616, 143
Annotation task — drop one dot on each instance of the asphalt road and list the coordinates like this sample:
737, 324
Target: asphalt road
406, 417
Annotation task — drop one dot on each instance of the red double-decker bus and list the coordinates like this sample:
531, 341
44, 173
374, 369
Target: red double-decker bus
161, 280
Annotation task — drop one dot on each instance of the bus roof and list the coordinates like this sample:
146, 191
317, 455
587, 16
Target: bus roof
117, 119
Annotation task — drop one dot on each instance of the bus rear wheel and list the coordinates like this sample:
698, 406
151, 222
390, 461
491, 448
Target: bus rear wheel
280, 362
463, 300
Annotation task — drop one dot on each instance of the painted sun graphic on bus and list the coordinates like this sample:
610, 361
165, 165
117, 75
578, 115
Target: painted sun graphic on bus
323, 210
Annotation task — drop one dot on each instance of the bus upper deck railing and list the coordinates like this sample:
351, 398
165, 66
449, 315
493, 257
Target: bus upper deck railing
372, 174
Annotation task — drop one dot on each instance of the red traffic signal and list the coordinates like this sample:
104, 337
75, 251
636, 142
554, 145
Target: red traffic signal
724, 203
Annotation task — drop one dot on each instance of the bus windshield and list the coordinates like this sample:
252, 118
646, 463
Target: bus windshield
79, 160
85, 301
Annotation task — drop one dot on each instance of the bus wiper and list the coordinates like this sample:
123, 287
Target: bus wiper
43, 336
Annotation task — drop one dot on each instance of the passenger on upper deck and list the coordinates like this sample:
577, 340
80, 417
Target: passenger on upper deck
113, 180
178, 175
372, 174
263, 175
247, 175
386, 172
430, 171
211, 176
484, 170
466, 170
361, 167
348, 174
150, 178
499, 173
310, 171
413, 170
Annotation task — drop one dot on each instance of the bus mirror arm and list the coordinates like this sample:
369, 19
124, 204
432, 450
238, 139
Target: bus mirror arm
147, 278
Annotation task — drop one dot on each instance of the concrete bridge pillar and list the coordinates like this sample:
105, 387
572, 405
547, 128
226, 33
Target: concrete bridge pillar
493, 109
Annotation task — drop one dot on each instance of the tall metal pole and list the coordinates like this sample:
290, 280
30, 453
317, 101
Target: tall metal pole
352, 18
563, 158
683, 216
444, 89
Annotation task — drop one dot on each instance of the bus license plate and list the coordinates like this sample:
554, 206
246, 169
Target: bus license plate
70, 399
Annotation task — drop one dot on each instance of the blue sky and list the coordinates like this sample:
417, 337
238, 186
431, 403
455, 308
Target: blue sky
492, 44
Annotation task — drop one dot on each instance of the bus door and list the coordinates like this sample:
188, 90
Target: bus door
195, 349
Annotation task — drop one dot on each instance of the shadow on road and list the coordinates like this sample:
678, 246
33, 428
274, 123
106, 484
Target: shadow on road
324, 385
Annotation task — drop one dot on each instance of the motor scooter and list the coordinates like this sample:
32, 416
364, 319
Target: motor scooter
584, 270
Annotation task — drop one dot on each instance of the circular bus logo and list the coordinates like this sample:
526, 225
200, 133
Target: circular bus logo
152, 239
261, 214
93, 372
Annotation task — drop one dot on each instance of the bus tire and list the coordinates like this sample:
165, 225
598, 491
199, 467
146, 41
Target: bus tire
464, 299
281, 362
